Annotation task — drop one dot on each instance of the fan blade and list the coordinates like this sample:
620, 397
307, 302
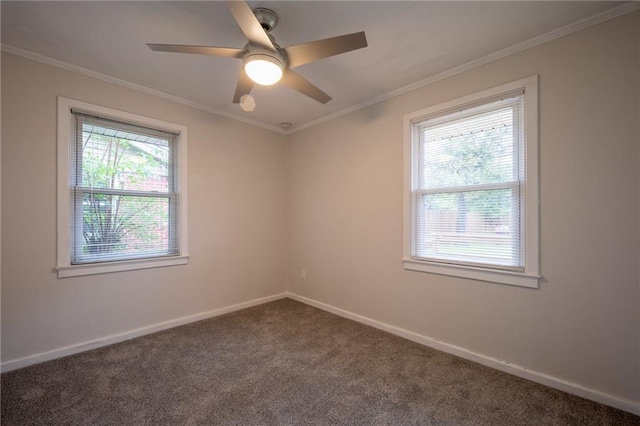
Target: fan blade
249, 25
297, 82
227, 52
245, 84
304, 53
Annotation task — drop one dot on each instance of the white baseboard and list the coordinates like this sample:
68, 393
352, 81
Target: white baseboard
127, 335
516, 370
544, 379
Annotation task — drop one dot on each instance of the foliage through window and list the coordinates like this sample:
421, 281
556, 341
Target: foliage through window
123, 193
467, 186
471, 172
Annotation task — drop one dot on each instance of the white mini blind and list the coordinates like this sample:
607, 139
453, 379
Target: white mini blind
123, 191
468, 185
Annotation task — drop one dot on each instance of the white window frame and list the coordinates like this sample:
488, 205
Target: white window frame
64, 267
529, 277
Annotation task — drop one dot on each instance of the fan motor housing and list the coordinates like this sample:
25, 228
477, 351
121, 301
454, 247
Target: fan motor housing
253, 50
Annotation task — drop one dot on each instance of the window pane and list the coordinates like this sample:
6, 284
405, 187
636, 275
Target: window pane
473, 227
117, 159
121, 226
469, 151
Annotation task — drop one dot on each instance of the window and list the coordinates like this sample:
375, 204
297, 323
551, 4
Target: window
121, 191
471, 186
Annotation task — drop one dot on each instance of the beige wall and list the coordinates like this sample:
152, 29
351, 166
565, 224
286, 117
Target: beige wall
330, 201
237, 203
583, 325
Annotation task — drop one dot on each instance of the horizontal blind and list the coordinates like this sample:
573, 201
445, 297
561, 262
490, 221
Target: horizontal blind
123, 191
467, 185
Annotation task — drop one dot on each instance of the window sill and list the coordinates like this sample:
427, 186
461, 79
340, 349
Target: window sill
488, 275
119, 266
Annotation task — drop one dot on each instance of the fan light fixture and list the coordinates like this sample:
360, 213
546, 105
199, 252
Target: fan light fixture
263, 69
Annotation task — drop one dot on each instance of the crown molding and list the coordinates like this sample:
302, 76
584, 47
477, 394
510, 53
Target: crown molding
129, 85
612, 13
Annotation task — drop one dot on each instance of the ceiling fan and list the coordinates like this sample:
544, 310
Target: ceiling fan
266, 63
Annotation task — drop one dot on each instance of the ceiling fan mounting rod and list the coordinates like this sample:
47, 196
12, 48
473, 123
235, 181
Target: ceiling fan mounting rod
267, 18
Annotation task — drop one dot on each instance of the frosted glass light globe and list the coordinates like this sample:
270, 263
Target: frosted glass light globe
263, 69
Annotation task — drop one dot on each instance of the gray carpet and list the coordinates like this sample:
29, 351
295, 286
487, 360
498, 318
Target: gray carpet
282, 363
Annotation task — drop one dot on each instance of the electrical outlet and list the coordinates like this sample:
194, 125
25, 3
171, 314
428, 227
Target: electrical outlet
303, 274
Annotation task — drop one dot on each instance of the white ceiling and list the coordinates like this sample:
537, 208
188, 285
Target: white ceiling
408, 42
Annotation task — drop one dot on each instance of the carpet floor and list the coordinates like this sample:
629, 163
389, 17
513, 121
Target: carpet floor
282, 363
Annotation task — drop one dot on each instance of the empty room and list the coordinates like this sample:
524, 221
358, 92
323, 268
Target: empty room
320, 212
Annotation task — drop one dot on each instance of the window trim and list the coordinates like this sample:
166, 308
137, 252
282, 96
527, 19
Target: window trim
530, 276
64, 267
